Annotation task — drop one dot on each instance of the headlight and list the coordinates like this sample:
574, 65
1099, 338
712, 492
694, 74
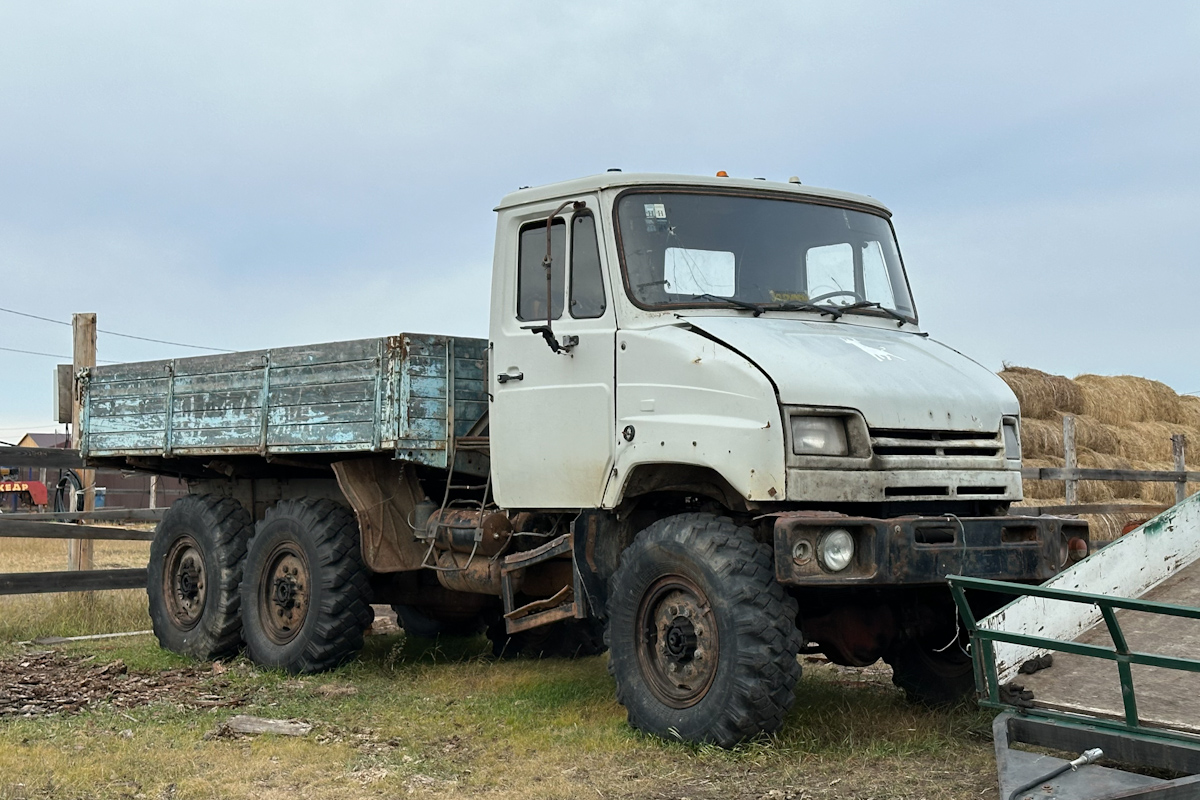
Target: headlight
836, 550
819, 436
1012, 443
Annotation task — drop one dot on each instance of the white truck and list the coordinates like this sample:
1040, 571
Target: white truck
706, 431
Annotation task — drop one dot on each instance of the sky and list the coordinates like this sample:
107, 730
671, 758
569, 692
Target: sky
245, 175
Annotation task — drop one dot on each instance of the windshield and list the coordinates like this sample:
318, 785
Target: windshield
696, 249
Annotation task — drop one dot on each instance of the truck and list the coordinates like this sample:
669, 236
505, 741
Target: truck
706, 432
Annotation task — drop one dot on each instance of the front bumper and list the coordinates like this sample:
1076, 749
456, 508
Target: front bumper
924, 550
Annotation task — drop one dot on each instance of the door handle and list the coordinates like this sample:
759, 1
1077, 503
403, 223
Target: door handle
504, 377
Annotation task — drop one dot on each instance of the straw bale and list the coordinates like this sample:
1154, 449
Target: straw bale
1044, 437
1043, 490
1041, 394
1121, 399
1151, 441
1190, 406
1097, 436
1101, 527
1108, 527
1160, 492
1105, 491
1041, 437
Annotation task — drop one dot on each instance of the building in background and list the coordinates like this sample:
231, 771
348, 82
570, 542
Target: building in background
114, 488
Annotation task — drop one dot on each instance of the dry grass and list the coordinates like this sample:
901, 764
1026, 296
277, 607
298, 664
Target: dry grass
27, 617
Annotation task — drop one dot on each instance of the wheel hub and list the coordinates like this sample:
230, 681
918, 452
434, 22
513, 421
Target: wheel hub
184, 583
680, 641
678, 651
284, 594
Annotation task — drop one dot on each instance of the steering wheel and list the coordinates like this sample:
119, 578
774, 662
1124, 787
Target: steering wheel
857, 297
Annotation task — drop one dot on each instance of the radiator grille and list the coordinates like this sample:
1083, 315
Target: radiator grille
913, 442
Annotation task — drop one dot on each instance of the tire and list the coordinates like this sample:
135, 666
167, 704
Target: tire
417, 623
196, 562
930, 678
571, 638
305, 595
697, 585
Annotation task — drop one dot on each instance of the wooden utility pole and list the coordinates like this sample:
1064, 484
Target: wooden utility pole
1069, 457
1179, 451
79, 551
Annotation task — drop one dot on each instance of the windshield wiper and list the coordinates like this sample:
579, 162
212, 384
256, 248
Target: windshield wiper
795, 305
896, 315
757, 309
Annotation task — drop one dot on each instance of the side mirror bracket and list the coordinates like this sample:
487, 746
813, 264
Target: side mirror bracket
547, 330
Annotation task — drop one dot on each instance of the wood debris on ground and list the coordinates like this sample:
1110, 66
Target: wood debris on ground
51, 682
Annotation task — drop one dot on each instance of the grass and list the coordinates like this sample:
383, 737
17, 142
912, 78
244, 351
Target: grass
27, 617
417, 718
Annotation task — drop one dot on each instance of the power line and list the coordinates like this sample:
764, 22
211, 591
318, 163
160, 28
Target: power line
114, 333
48, 355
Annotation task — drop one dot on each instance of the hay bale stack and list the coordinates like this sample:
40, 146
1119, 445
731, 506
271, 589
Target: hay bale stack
1121, 422
1041, 394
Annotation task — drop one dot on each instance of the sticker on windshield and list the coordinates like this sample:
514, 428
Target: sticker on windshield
656, 217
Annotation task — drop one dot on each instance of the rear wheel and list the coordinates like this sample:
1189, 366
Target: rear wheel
704, 639
305, 593
195, 568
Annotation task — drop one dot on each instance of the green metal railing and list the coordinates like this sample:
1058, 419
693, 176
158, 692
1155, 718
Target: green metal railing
984, 655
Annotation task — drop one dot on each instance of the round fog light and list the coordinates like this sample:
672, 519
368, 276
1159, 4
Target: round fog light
802, 551
836, 550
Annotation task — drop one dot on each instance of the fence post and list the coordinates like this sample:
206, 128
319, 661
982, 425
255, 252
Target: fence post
83, 326
1069, 459
153, 491
1178, 447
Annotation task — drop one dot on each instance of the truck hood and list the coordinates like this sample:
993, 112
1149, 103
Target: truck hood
896, 379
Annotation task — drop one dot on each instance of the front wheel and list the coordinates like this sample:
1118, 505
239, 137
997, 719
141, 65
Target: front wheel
931, 677
703, 638
568, 638
305, 593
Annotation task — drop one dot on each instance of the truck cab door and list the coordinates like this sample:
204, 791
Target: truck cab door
552, 414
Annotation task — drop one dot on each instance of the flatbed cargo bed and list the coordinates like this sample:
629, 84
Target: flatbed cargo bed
400, 394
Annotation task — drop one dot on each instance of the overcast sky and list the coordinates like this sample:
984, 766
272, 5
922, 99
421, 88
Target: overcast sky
245, 175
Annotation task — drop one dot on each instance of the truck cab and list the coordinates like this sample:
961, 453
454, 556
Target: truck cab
760, 337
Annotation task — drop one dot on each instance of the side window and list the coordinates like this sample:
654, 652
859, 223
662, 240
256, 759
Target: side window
531, 275
587, 285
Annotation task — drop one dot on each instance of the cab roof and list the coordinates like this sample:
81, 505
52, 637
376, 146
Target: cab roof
621, 180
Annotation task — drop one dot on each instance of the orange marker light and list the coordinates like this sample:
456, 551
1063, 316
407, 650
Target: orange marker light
722, 174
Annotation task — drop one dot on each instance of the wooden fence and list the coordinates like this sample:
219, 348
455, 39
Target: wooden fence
1070, 474
67, 525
